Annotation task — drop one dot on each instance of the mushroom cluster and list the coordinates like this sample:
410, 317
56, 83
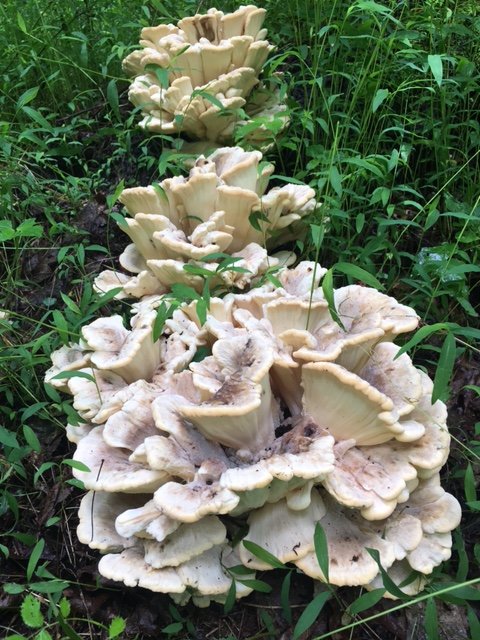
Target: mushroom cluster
201, 77
221, 210
291, 419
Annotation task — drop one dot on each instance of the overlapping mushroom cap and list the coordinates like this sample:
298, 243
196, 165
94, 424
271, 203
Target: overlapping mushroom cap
222, 210
194, 78
292, 420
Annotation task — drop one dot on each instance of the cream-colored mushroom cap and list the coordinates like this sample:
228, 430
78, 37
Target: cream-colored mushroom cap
97, 513
347, 539
348, 406
286, 534
130, 568
187, 542
110, 468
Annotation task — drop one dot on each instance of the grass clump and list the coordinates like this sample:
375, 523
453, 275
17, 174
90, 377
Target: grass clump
385, 111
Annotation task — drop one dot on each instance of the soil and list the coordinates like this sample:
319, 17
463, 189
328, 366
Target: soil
94, 599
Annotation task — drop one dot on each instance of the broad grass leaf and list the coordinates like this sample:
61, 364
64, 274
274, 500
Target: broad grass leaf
335, 178
49, 586
327, 288
112, 97
37, 117
287, 179
469, 484
8, 438
73, 306
230, 599
209, 98
462, 569
21, 23
27, 96
14, 588
30, 612
311, 613
184, 292
321, 549
388, 583
256, 585
162, 315
317, 235
359, 222
443, 373
262, 554
436, 67
473, 622
112, 198
34, 558
365, 601
61, 325
119, 219
359, 274
285, 597
64, 607
422, 334
430, 620
379, 97
266, 619
173, 628
65, 375
77, 465
31, 437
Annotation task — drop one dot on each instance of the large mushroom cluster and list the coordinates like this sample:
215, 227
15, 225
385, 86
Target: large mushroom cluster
201, 77
293, 419
221, 209
263, 413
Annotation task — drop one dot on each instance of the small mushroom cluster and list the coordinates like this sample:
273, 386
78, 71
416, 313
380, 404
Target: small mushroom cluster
200, 77
221, 210
292, 420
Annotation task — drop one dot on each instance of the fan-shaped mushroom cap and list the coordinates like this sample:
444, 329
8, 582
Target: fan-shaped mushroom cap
241, 414
239, 168
133, 423
347, 539
68, 358
89, 396
185, 543
371, 479
97, 514
145, 522
108, 280
224, 486
346, 405
110, 468
397, 378
286, 534
131, 354
130, 568
76, 432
